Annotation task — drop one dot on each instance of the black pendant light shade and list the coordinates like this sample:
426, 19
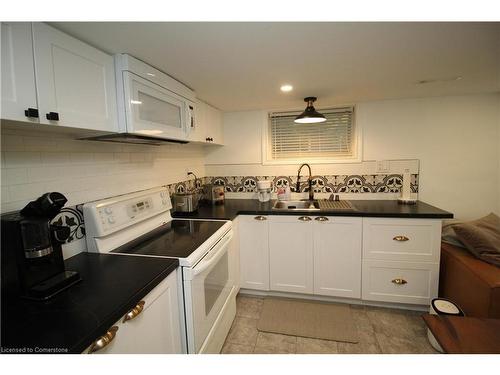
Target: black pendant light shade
310, 115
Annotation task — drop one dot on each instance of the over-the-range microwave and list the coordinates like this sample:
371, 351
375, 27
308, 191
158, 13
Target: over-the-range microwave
152, 106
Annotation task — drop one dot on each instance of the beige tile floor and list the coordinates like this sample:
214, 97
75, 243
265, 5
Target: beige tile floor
381, 330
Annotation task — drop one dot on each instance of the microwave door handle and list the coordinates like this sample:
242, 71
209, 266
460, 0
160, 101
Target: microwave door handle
205, 264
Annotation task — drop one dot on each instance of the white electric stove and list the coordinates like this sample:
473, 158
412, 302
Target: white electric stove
140, 224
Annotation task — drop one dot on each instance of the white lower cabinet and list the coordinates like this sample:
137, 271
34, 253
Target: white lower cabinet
400, 282
374, 259
254, 252
401, 260
291, 254
152, 326
337, 256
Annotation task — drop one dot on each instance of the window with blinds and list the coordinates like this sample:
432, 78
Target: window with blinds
332, 139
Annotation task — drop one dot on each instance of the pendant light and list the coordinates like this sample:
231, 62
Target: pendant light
310, 115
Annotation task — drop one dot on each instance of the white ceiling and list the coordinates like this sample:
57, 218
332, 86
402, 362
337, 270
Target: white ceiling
240, 66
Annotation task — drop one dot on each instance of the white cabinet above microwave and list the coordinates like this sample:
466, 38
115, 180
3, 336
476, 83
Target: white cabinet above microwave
150, 103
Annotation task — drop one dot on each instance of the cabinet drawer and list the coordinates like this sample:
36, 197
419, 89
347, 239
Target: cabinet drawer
402, 239
400, 282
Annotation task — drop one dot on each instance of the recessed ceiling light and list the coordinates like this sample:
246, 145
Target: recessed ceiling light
286, 88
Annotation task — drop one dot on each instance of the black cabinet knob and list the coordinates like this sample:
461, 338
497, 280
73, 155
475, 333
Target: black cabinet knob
31, 112
52, 116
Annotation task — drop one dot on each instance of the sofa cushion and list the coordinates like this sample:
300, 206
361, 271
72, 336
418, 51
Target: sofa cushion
482, 238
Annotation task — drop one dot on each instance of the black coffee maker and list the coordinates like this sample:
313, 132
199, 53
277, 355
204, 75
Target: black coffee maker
31, 253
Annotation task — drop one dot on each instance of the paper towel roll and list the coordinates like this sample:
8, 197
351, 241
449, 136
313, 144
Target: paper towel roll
406, 189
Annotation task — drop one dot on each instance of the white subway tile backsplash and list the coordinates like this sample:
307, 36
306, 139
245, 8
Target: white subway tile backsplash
81, 157
16, 159
136, 157
12, 176
40, 143
84, 171
12, 143
52, 158
5, 194
25, 192
103, 157
122, 157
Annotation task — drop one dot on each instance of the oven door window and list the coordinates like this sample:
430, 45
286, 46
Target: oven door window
215, 282
207, 287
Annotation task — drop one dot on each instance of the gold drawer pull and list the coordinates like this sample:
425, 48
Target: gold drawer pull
305, 218
399, 281
321, 218
260, 218
104, 340
132, 314
401, 238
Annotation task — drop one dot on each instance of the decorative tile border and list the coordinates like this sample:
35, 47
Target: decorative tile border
73, 218
373, 183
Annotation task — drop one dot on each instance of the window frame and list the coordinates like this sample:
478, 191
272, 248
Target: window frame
356, 157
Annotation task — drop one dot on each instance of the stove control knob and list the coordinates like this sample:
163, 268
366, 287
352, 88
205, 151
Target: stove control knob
111, 219
162, 194
108, 210
164, 201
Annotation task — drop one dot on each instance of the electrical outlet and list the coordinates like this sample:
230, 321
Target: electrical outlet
383, 166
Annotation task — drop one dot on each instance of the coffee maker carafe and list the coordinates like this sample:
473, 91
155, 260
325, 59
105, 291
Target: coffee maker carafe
31, 253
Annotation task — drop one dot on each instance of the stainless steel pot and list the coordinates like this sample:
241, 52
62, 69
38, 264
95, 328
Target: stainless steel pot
186, 202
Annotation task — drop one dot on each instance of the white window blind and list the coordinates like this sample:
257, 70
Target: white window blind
333, 138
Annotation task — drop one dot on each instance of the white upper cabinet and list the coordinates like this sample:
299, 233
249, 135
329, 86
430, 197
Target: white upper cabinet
75, 82
213, 120
337, 256
291, 253
197, 131
19, 100
208, 125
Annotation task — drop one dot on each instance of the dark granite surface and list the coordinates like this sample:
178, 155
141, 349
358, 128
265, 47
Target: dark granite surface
72, 320
365, 208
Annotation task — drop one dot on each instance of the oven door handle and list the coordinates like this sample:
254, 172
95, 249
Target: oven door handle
213, 256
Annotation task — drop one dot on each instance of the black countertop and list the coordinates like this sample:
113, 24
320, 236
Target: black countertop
68, 323
365, 208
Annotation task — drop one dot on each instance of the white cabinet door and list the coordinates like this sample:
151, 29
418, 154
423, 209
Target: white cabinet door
337, 256
254, 252
155, 329
18, 73
214, 125
291, 253
208, 124
75, 82
198, 133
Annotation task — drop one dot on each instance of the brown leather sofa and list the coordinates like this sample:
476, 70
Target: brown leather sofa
471, 283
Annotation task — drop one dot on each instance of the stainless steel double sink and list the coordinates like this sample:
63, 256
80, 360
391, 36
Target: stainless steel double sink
314, 205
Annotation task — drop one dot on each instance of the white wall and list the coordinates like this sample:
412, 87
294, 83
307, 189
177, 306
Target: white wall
455, 138
33, 164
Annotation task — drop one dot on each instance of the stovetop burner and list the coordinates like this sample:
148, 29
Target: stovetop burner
175, 239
